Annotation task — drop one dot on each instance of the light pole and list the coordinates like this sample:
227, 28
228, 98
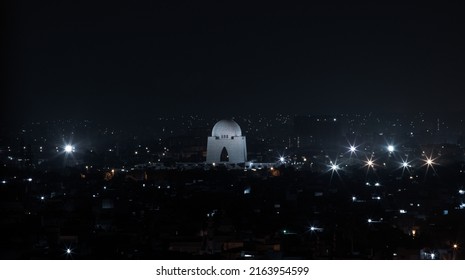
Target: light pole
454, 251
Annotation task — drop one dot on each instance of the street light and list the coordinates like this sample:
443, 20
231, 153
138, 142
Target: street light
430, 163
352, 149
69, 149
315, 229
454, 253
390, 148
334, 167
369, 163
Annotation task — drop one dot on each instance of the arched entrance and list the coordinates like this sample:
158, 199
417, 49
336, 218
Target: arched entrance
224, 155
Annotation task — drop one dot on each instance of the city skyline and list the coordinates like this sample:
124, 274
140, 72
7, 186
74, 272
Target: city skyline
161, 130
311, 187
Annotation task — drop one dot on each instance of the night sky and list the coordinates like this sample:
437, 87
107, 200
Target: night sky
76, 59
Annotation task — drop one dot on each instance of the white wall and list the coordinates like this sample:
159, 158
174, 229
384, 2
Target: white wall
237, 149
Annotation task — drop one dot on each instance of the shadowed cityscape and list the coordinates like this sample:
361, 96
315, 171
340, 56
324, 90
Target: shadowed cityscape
310, 187
162, 130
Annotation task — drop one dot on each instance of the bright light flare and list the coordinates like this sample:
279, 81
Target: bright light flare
69, 149
405, 165
370, 163
281, 159
352, 149
390, 148
315, 229
371, 221
68, 252
334, 167
430, 163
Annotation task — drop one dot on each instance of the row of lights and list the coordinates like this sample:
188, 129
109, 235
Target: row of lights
370, 162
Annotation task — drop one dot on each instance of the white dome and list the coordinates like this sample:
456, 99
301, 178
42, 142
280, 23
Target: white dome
226, 128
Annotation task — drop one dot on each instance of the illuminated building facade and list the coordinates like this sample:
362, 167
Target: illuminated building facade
226, 145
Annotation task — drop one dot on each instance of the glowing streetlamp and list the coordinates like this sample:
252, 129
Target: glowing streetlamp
68, 252
370, 163
315, 229
430, 163
334, 167
390, 148
371, 221
405, 165
69, 149
352, 149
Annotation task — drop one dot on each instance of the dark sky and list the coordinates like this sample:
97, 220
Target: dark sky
77, 59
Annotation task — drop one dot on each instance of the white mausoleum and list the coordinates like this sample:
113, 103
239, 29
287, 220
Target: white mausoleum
226, 145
